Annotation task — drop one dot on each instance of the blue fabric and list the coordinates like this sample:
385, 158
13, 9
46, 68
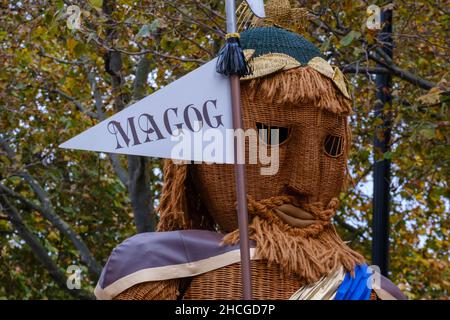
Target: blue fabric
357, 287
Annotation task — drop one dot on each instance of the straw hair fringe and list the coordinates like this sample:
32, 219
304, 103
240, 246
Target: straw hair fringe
176, 211
172, 206
299, 86
310, 252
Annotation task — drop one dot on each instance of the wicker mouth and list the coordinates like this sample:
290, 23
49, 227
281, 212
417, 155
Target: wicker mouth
299, 211
294, 216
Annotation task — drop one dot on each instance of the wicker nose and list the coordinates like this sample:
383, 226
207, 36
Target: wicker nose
293, 190
304, 158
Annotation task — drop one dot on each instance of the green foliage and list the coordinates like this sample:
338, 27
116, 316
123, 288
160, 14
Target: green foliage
46, 97
420, 154
347, 39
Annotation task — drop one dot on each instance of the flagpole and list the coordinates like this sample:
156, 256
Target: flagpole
239, 168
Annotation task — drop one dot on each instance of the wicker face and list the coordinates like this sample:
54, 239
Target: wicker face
312, 159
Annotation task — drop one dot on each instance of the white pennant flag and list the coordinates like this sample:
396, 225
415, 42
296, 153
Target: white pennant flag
189, 119
257, 6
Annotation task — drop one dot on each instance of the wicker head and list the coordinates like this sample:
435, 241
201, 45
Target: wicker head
297, 92
310, 168
302, 102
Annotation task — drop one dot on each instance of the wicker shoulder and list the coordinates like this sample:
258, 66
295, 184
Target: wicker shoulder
153, 265
152, 290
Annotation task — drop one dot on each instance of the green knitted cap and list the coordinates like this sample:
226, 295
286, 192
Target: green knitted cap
276, 40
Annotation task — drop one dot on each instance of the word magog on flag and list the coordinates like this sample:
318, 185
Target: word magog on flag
186, 120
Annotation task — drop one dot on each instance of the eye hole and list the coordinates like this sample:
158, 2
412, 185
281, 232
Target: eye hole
272, 135
333, 145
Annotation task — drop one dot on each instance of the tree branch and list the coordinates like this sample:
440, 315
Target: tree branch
46, 55
77, 103
355, 231
118, 168
374, 70
117, 50
404, 74
195, 43
163, 55
97, 94
218, 31
25, 201
63, 226
208, 9
397, 71
7, 148
38, 249
114, 158
47, 211
138, 186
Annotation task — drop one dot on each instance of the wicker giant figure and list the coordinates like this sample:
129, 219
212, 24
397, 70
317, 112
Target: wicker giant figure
296, 252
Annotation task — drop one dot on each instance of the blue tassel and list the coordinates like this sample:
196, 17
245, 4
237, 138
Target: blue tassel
231, 59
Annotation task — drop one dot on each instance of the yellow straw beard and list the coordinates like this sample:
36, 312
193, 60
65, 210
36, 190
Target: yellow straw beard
310, 253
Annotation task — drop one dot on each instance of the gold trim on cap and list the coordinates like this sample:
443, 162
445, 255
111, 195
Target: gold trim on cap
248, 53
323, 67
268, 63
339, 81
272, 62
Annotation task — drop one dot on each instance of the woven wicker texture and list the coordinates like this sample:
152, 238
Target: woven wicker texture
153, 290
308, 104
305, 170
225, 283
279, 13
307, 101
312, 171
